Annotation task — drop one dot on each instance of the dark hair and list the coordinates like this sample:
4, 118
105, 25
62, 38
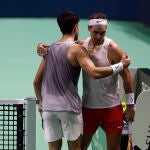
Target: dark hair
67, 21
98, 16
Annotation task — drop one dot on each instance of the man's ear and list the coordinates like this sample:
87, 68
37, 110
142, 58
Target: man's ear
76, 27
89, 27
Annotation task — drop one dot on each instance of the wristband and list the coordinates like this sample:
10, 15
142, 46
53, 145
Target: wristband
129, 98
117, 67
39, 106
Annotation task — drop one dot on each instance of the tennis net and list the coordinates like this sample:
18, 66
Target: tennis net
18, 124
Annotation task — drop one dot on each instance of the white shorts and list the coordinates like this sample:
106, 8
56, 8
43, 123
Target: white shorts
62, 124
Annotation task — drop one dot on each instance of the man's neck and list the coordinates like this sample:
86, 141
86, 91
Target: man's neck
67, 38
94, 47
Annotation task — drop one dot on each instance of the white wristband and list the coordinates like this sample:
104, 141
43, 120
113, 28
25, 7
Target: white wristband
117, 67
129, 98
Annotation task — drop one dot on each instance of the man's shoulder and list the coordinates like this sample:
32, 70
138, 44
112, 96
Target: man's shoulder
115, 51
114, 46
76, 49
81, 42
72, 53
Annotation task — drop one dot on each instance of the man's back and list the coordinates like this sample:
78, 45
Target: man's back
59, 89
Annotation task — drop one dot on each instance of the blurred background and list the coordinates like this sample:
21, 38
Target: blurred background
135, 10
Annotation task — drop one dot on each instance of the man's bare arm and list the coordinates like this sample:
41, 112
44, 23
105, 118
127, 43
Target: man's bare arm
86, 63
38, 81
129, 94
115, 54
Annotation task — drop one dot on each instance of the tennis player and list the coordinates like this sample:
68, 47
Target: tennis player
56, 81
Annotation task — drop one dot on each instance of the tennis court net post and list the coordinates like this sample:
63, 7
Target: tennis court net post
18, 124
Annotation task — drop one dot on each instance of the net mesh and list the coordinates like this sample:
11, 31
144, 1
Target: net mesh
12, 127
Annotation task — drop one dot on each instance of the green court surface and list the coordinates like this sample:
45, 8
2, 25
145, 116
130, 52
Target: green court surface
19, 60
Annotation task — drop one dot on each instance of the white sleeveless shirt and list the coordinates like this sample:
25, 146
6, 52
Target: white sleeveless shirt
100, 93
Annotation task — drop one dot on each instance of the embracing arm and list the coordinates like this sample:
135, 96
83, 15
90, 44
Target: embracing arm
80, 54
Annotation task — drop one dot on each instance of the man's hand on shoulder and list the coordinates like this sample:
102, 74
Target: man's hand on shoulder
42, 49
125, 60
80, 42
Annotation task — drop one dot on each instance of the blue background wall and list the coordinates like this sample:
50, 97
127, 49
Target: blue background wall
136, 10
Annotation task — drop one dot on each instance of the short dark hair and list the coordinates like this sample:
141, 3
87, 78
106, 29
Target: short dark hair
98, 16
66, 21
